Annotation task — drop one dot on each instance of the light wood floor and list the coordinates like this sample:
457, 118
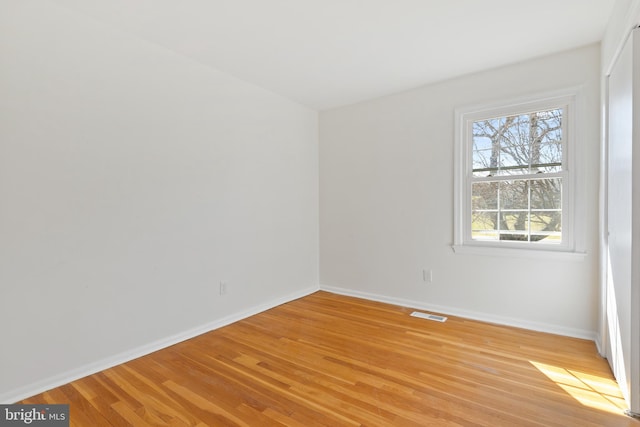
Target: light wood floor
329, 360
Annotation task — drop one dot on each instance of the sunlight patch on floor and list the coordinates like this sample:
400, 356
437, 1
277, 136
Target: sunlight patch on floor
590, 390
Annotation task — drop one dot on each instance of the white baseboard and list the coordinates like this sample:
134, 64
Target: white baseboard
468, 314
109, 362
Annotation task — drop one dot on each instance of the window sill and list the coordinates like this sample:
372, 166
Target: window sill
551, 254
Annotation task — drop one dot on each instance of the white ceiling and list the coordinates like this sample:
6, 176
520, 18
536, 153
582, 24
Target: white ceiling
328, 53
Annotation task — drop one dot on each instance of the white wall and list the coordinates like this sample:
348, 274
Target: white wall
132, 181
386, 203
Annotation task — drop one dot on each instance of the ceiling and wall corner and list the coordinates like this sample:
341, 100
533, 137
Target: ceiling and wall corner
329, 53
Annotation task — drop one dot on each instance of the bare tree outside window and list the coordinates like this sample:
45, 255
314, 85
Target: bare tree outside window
516, 191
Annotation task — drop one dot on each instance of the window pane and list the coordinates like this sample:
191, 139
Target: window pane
543, 221
514, 221
546, 157
510, 163
546, 226
514, 225
518, 210
484, 195
484, 225
482, 162
486, 147
546, 193
549, 125
481, 142
519, 144
514, 195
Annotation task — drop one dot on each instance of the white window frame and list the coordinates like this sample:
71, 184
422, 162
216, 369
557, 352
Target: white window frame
572, 224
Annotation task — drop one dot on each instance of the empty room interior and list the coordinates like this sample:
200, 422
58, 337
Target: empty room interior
301, 213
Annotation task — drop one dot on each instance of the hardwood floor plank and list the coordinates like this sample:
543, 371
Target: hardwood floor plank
331, 360
84, 412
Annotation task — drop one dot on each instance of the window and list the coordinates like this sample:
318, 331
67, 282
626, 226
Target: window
515, 175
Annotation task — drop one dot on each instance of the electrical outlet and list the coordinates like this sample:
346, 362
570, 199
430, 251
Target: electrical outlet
223, 287
427, 275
